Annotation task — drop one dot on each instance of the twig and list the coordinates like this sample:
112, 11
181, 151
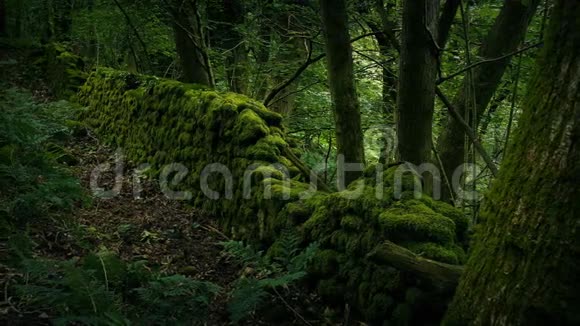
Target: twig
304, 169
444, 173
291, 309
309, 61
327, 157
479, 63
470, 133
296, 91
210, 228
135, 31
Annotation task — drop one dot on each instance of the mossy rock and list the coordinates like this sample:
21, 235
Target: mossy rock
412, 220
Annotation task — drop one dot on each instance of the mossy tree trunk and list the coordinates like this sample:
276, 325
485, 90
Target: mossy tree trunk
190, 43
505, 36
524, 268
347, 118
417, 74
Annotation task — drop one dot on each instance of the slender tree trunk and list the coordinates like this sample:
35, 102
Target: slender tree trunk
417, 74
190, 45
347, 118
446, 21
504, 37
292, 54
237, 56
524, 268
389, 90
261, 54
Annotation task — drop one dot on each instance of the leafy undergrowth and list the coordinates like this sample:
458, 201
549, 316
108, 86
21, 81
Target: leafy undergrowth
71, 258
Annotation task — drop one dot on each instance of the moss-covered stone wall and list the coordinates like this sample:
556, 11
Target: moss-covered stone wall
160, 122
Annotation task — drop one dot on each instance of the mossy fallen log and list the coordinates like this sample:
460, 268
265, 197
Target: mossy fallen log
444, 275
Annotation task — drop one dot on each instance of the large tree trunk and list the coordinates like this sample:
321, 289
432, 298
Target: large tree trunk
524, 268
349, 136
417, 74
190, 44
504, 37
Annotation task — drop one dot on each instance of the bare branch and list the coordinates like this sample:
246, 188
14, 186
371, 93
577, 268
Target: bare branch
470, 133
272, 94
471, 66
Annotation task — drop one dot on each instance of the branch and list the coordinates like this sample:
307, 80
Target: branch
130, 23
470, 133
301, 69
471, 66
376, 62
444, 275
296, 91
304, 169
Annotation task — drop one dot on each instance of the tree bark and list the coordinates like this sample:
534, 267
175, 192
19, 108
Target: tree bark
417, 75
347, 118
524, 268
446, 21
504, 37
389, 87
190, 45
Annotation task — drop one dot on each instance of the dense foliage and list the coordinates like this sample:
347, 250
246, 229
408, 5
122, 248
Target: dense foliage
426, 98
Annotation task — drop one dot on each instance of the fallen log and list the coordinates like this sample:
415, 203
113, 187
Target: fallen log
442, 275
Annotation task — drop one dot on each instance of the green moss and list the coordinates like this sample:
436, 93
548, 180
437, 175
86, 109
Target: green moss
298, 211
352, 222
263, 151
250, 127
455, 214
325, 263
412, 220
436, 252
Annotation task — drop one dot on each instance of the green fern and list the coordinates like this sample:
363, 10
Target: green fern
284, 268
244, 254
32, 181
71, 292
176, 298
247, 296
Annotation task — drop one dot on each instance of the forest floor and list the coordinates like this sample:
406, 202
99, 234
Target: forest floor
168, 234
